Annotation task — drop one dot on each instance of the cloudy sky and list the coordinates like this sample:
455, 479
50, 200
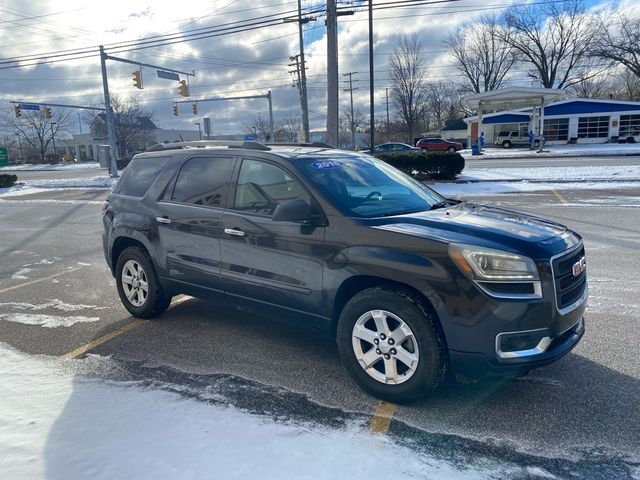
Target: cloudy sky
250, 62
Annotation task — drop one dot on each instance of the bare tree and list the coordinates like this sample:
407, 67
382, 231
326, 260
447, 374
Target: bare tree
483, 54
35, 129
620, 41
442, 101
351, 125
627, 87
287, 129
259, 128
597, 87
133, 126
556, 39
408, 93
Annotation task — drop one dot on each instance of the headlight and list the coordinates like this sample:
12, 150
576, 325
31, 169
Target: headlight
487, 264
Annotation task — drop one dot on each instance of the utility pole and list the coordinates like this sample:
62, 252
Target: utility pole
386, 93
303, 78
53, 138
332, 73
111, 131
20, 145
372, 108
350, 90
302, 90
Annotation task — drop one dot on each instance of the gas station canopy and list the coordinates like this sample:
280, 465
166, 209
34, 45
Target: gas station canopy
513, 98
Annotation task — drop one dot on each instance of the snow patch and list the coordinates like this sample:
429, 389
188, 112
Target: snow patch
21, 274
47, 321
55, 304
57, 425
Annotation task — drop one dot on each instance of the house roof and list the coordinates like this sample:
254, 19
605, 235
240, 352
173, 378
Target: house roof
143, 122
455, 124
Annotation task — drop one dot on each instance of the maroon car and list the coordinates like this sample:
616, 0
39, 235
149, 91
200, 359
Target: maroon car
438, 144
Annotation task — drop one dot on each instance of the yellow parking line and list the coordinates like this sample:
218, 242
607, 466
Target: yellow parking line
99, 341
560, 197
105, 338
382, 418
38, 280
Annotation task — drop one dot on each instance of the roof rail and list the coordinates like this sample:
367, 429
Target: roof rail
300, 144
208, 143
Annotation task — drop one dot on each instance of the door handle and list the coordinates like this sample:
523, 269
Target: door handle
163, 220
234, 231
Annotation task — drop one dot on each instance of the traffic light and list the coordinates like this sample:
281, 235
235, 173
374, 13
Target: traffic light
175, 109
194, 108
137, 79
16, 109
183, 89
47, 113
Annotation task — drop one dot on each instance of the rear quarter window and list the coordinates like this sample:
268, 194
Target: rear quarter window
139, 175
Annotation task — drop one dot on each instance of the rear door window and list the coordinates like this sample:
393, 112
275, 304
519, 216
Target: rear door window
203, 181
139, 175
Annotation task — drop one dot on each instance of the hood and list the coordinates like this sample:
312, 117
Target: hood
480, 225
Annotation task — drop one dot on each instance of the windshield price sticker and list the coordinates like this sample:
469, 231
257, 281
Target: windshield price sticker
326, 164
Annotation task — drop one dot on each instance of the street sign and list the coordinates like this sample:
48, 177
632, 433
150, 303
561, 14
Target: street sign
4, 156
167, 75
249, 138
29, 106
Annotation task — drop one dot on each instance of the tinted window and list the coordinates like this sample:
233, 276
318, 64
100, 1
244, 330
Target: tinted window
203, 181
366, 187
139, 175
262, 186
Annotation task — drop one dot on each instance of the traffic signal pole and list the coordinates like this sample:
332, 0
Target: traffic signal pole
111, 130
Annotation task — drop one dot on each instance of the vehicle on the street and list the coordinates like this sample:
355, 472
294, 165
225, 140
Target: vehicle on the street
438, 144
393, 147
412, 285
508, 139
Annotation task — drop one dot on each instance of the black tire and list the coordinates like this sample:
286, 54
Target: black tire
423, 150
432, 358
451, 149
155, 301
506, 144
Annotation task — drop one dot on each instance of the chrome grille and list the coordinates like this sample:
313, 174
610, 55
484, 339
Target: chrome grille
569, 288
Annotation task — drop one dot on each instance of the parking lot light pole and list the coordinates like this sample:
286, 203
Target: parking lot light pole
199, 130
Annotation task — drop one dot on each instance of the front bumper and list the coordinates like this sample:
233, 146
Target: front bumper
478, 365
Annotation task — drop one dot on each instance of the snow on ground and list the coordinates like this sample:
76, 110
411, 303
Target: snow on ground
558, 151
551, 173
492, 188
59, 425
56, 166
36, 186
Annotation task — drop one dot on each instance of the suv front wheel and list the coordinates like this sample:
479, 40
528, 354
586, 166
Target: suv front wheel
138, 285
391, 345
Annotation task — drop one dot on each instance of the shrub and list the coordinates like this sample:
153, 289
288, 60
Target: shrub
7, 180
435, 165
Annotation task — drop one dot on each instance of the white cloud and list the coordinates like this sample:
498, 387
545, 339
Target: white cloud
247, 63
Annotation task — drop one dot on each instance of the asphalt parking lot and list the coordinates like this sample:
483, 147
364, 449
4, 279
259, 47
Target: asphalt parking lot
578, 418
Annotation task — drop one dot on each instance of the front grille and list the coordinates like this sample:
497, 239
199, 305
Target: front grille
569, 288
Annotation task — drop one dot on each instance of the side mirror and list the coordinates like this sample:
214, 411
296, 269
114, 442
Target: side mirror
292, 211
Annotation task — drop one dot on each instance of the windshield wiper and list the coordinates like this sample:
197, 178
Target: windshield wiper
438, 205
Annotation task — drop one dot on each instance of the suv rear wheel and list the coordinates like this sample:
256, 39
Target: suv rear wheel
391, 345
138, 285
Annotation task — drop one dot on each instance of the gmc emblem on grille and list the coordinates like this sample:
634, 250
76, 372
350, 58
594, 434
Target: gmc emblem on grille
579, 267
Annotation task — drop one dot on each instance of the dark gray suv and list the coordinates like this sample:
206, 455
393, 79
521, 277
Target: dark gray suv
411, 284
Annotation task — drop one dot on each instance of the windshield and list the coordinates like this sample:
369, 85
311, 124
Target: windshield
362, 186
